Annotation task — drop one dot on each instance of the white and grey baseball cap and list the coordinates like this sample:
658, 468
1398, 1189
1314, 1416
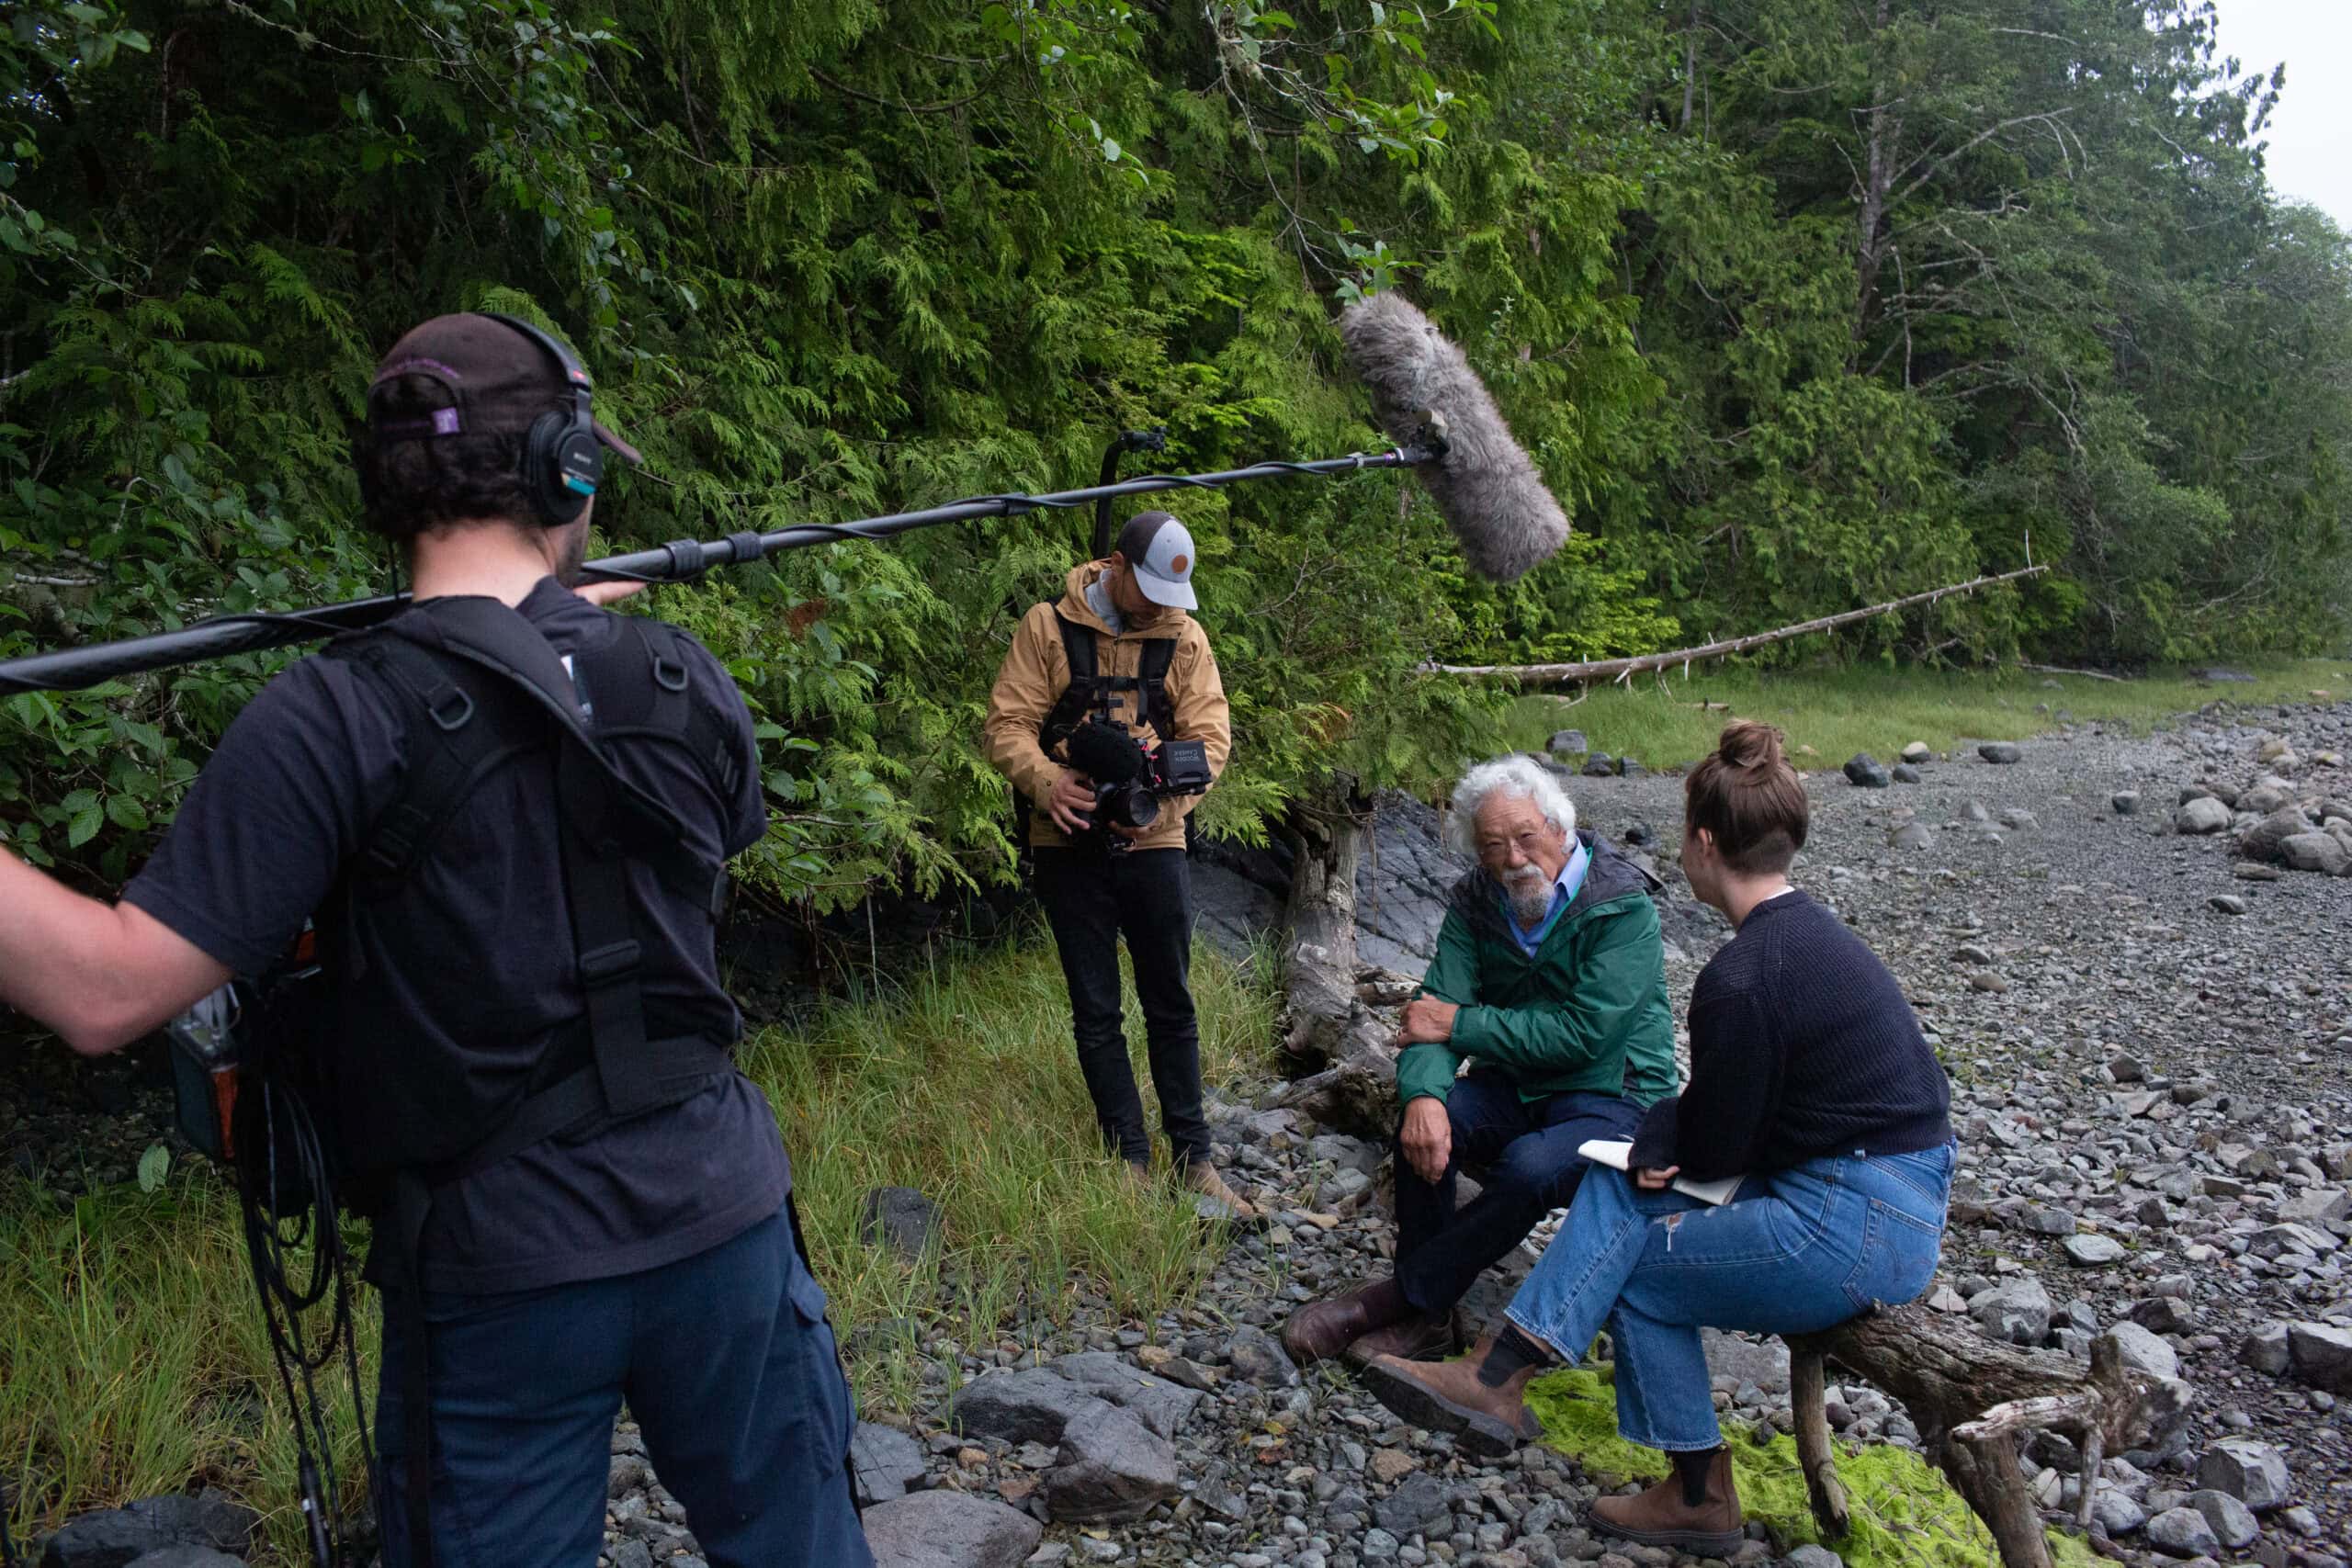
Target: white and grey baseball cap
1160, 549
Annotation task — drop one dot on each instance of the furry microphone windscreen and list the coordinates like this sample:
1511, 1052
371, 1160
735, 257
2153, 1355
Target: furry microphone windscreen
1485, 488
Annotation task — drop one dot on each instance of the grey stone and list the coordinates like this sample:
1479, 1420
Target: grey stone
119, 1536
1866, 771
1030, 1406
2124, 802
1257, 1356
900, 1219
2017, 1310
2316, 1206
2227, 903
1348, 1153
1600, 766
2322, 1354
2048, 1220
2116, 1512
1163, 1405
1111, 1467
884, 1462
1919, 751
2183, 1532
949, 1530
2253, 1473
2139, 1347
2000, 752
2094, 1251
2263, 841
1904, 773
1629, 769
2203, 814
1812, 1556
1912, 836
2233, 1521
1417, 1506
2264, 1350
2321, 853
1567, 740
1763, 1362
2162, 1315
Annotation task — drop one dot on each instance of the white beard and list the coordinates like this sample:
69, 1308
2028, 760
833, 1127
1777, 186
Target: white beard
1531, 899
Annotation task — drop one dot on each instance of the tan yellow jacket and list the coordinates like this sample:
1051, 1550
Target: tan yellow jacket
1036, 671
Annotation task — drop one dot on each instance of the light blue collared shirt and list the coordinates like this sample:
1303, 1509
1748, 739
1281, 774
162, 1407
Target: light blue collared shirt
1564, 893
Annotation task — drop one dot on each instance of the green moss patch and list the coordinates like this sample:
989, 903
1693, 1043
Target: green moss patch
1906, 1514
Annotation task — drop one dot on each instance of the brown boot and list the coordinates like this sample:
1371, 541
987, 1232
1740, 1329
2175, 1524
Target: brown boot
1320, 1330
1424, 1336
1202, 1177
1660, 1518
1447, 1397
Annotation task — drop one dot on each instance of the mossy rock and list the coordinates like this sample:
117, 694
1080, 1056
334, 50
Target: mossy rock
1906, 1514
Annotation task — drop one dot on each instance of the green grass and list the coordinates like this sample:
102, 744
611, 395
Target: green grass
1903, 1513
132, 1361
967, 1088
1659, 720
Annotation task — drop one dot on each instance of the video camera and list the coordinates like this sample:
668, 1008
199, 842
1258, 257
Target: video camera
1129, 781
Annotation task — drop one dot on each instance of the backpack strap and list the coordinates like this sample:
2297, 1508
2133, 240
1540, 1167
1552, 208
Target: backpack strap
1091, 690
1159, 708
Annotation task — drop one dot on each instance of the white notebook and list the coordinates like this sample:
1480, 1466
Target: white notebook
1617, 1154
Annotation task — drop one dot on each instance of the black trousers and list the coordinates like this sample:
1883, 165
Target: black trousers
1091, 900
1525, 1151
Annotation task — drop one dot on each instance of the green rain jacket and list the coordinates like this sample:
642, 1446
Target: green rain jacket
1587, 1011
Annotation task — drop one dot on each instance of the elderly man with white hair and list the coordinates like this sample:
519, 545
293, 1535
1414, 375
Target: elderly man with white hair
1550, 982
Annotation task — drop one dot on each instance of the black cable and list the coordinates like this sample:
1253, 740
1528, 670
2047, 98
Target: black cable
272, 1238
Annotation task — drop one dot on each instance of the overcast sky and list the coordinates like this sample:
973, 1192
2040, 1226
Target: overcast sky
2311, 136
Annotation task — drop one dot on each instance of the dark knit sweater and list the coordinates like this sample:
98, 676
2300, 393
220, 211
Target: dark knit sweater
1802, 1044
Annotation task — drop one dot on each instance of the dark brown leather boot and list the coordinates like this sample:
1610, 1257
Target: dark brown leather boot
1320, 1330
1424, 1336
1660, 1518
1447, 1397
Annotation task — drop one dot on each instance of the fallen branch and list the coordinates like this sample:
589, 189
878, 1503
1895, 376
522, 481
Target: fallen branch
2061, 670
1625, 668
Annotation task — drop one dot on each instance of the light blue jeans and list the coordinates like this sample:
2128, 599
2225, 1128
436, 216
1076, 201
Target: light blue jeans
1796, 1251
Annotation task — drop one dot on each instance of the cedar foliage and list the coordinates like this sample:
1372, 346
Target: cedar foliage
1796, 315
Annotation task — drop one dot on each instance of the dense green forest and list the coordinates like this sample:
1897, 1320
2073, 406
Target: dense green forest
1799, 305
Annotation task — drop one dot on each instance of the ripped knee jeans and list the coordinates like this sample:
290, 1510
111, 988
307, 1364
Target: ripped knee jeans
1797, 1251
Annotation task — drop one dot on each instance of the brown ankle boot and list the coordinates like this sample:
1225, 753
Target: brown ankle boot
1320, 1330
1447, 1397
1660, 1518
1424, 1336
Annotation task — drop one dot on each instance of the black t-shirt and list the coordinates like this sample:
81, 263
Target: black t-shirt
292, 794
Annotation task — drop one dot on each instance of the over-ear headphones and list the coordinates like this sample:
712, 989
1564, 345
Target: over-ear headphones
563, 460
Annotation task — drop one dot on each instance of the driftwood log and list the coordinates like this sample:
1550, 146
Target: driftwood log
1970, 1397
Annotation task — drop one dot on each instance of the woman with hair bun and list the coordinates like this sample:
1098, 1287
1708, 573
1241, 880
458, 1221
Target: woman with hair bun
1809, 1077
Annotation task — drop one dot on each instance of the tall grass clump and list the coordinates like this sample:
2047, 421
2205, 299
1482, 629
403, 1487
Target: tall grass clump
133, 1361
964, 1086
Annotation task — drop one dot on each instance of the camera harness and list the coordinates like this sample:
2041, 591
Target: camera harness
1089, 695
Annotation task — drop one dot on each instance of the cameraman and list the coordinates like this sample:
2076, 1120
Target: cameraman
643, 1248
1154, 677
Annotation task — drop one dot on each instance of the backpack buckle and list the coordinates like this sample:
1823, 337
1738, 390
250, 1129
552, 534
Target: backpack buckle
450, 709
669, 675
602, 965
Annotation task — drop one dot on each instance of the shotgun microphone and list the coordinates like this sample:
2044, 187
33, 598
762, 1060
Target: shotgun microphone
1484, 485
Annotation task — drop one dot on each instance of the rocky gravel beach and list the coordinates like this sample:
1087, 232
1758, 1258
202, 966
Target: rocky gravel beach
2146, 1033
2146, 1027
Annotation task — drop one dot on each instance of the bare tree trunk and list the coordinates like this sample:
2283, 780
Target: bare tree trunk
1320, 954
1622, 668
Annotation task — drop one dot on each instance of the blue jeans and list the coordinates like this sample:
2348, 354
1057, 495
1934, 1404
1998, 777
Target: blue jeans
727, 1365
1524, 1152
1797, 1251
